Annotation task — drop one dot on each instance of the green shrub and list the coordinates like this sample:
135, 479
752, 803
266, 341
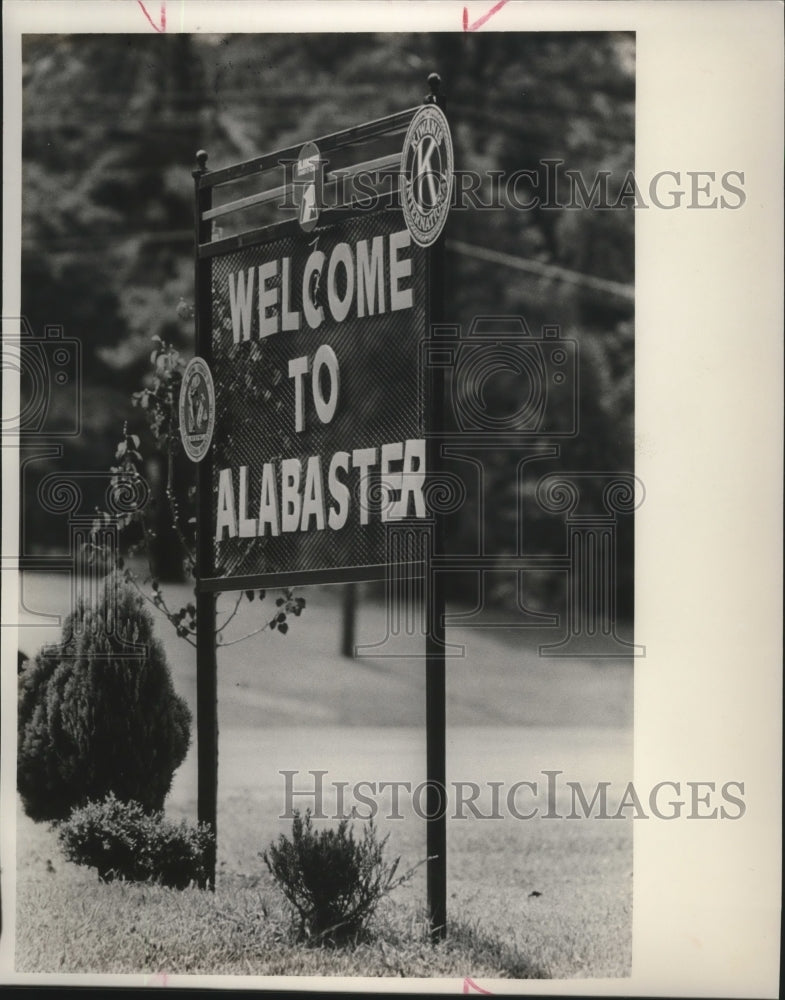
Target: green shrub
98, 715
121, 840
333, 882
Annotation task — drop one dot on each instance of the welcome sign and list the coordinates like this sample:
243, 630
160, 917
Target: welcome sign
306, 405
311, 328
319, 409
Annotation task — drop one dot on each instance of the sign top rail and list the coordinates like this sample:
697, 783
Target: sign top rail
390, 125
367, 171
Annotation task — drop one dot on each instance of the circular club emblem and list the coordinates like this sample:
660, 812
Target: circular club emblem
426, 183
197, 409
308, 186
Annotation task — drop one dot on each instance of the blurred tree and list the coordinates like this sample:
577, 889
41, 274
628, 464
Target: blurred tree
110, 126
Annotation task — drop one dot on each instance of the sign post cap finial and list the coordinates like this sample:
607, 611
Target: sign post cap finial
201, 160
435, 86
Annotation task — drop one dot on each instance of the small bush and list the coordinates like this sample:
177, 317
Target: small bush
98, 713
121, 840
333, 881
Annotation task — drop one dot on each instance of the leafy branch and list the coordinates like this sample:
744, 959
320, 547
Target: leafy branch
158, 401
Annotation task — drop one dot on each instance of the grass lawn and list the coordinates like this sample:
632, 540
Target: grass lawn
293, 703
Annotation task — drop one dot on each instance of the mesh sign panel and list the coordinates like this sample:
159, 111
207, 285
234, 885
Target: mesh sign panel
262, 321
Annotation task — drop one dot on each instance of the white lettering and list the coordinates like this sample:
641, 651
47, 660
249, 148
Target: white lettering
291, 501
268, 501
339, 307
268, 299
370, 277
313, 497
314, 265
226, 515
400, 298
364, 458
391, 481
337, 516
289, 320
240, 302
325, 408
247, 524
298, 368
412, 480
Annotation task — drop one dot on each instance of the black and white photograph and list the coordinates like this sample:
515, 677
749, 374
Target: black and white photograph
391, 549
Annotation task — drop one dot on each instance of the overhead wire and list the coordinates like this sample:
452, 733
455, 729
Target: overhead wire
552, 271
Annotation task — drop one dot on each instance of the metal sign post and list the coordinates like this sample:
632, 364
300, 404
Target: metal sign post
306, 403
435, 680
206, 658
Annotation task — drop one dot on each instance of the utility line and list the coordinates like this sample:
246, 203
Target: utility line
552, 271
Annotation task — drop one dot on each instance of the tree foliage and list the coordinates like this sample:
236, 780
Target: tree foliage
98, 713
111, 125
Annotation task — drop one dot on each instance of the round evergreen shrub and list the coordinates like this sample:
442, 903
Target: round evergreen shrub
121, 840
98, 713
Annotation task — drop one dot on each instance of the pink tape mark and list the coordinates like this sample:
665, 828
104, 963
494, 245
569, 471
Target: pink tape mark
469, 985
161, 26
481, 21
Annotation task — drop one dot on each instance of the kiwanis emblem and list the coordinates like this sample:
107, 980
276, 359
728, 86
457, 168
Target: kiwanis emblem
426, 183
197, 409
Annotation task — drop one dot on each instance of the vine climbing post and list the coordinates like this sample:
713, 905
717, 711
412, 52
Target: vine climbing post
206, 660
